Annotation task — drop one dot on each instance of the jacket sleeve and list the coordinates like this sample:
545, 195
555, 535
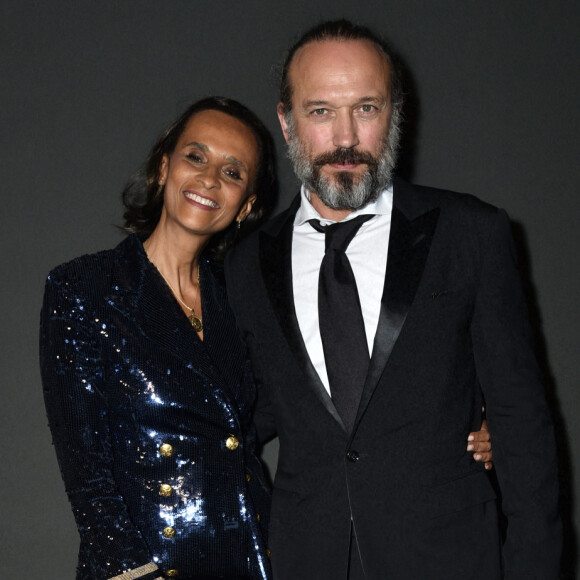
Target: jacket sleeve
236, 270
519, 419
72, 372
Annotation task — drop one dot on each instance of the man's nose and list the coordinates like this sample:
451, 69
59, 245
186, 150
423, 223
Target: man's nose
345, 130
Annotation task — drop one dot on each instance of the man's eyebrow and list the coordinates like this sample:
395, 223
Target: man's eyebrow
315, 103
369, 99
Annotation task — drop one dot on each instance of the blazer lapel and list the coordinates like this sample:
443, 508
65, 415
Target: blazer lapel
276, 265
141, 295
412, 230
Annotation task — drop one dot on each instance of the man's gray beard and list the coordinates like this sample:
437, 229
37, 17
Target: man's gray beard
347, 191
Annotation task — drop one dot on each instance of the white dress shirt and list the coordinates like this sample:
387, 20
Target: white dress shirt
367, 254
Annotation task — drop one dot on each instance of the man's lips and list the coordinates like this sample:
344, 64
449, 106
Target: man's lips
345, 166
199, 199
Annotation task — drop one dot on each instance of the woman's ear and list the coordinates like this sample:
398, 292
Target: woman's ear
245, 209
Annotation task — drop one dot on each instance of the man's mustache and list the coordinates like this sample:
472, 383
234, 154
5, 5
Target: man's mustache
345, 157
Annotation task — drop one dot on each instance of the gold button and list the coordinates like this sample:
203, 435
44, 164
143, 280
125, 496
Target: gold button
171, 573
165, 490
232, 443
166, 450
169, 532
268, 552
258, 517
248, 477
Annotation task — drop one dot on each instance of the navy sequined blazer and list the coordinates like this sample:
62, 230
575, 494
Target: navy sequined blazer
152, 427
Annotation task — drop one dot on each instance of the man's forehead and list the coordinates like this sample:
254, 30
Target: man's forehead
318, 52
328, 62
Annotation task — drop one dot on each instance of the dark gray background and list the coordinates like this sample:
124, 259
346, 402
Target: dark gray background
87, 86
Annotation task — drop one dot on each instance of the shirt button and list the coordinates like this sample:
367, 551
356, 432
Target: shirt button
232, 443
165, 490
352, 456
169, 532
166, 450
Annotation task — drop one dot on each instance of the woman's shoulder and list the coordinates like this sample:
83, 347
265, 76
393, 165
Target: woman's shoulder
92, 273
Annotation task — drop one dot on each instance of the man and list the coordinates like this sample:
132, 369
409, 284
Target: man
373, 480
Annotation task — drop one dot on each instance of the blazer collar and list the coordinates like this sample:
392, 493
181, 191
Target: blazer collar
276, 264
413, 223
139, 293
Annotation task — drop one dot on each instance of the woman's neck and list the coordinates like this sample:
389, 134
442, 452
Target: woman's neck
176, 255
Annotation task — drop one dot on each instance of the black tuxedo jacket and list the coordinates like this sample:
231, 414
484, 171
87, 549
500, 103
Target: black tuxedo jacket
453, 332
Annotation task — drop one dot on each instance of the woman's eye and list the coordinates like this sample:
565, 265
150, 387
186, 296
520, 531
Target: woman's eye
234, 174
194, 157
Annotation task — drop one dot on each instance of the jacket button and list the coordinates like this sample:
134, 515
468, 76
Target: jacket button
169, 532
232, 443
166, 450
165, 490
258, 517
248, 477
352, 456
171, 573
268, 552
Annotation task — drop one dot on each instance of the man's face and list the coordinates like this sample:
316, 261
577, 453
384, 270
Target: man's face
342, 132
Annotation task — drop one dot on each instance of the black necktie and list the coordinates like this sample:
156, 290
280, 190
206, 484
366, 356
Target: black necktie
342, 329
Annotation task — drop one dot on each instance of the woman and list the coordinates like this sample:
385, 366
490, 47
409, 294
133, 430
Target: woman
147, 386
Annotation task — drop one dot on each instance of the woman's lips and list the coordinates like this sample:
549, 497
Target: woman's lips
201, 200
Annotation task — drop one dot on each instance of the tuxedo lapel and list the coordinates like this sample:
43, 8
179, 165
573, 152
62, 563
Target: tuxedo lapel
409, 243
276, 266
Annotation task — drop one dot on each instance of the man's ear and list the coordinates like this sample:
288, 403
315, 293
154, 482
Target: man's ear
282, 119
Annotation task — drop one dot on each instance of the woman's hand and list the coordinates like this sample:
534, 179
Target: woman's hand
480, 444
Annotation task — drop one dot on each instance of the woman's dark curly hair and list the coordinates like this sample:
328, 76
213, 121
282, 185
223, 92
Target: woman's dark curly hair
143, 197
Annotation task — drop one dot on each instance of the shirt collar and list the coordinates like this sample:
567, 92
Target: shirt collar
382, 206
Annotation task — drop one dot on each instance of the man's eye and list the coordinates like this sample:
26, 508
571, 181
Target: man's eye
319, 112
368, 108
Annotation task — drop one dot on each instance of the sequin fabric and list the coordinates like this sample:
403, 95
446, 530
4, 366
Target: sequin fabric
151, 426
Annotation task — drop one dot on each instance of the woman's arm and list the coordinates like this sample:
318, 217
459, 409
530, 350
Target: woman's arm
72, 374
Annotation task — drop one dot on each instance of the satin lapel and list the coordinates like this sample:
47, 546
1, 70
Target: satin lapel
409, 244
149, 306
276, 265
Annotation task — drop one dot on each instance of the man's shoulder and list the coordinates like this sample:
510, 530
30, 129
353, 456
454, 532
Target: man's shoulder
445, 199
272, 227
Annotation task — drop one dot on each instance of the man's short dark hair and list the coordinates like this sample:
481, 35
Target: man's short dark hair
340, 30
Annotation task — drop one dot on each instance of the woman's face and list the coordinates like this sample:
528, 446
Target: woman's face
208, 175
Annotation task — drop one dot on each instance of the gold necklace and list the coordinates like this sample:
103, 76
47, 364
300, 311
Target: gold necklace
193, 318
